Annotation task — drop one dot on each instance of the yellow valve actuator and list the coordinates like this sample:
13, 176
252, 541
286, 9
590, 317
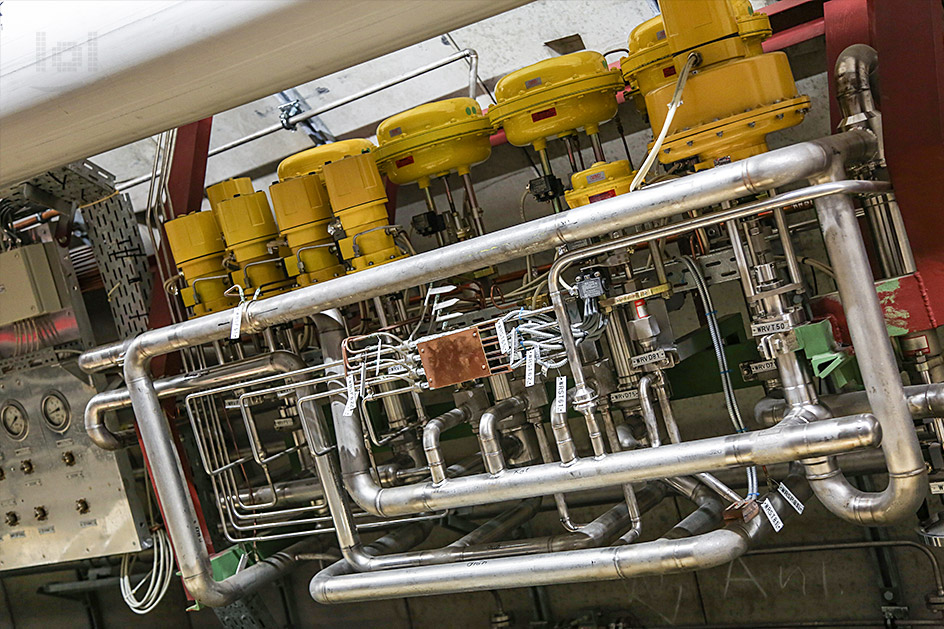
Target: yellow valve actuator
248, 228
227, 190
313, 160
198, 248
433, 140
601, 181
303, 212
358, 200
556, 97
736, 97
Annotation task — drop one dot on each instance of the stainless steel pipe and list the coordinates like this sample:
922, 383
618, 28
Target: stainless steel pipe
777, 445
490, 437
431, 445
175, 386
749, 176
662, 556
907, 472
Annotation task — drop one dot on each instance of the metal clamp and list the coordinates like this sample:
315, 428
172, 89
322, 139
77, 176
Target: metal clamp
286, 112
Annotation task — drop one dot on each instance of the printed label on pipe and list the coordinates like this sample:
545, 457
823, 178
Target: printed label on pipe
513, 352
561, 399
791, 499
502, 336
237, 323
351, 396
763, 329
771, 514
531, 359
648, 358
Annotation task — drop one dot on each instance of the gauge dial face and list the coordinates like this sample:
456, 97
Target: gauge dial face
56, 412
14, 421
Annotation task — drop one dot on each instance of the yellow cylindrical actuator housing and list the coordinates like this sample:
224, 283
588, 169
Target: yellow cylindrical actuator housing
248, 228
738, 95
601, 181
227, 190
358, 200
303, 212
198, 248
556, 97
313, 160
433, 140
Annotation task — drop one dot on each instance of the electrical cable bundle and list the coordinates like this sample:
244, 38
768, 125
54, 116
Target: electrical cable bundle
157, 579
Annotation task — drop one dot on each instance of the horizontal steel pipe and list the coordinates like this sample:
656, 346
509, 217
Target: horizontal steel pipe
662, 556
776, 445
924, 401
175, 386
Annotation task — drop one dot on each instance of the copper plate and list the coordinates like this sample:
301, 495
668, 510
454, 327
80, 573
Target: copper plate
453, 358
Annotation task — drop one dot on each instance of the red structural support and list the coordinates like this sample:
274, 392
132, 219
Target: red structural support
909, 38
188, 167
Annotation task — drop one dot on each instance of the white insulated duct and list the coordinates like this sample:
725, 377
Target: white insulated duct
80, 78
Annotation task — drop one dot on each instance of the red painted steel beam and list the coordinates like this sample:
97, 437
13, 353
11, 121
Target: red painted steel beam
188, 166
909, 38
904, 303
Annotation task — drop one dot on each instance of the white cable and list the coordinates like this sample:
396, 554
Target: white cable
693, 59
157, 579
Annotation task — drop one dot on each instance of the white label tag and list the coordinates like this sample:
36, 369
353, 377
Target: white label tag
351, 396
790, 498
513, 347
502, 336
624, 396
771, 514
763, 329
531, 359
237, 323
763, 366
648, 358
561, 400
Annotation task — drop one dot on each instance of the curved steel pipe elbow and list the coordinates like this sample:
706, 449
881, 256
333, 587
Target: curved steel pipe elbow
489, 435
431, 445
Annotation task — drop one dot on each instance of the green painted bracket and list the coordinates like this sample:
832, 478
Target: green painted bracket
826, 357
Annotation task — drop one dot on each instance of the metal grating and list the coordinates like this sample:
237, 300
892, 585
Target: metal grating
122, 261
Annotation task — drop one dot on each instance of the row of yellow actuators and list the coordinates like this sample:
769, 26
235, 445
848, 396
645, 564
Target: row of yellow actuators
330, 201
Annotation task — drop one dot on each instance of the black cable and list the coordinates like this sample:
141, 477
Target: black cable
610, 52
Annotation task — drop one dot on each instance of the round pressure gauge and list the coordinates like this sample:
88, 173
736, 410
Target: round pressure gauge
56, 412
13, 420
